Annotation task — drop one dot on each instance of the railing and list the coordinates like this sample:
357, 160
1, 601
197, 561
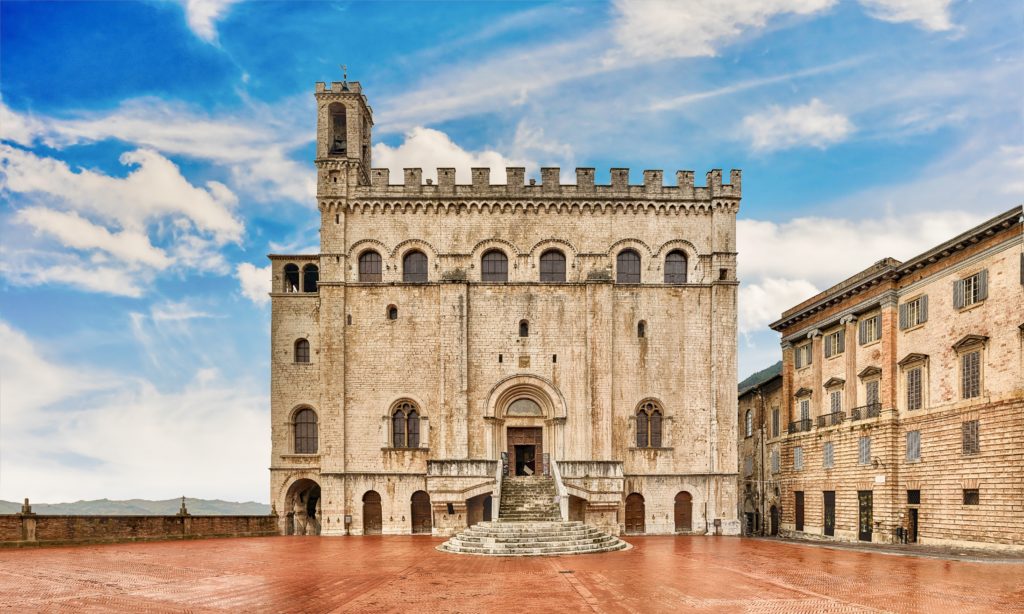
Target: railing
832, 419
799, 426
871, 410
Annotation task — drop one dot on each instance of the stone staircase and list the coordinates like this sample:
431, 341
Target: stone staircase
530, 524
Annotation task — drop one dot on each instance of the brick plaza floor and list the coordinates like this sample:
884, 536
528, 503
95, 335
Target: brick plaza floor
406, 574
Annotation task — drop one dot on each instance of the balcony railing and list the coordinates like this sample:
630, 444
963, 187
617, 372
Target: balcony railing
800, 426
871, 410
832, 419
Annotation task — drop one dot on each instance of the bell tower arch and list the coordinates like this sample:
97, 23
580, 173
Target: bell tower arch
343, 137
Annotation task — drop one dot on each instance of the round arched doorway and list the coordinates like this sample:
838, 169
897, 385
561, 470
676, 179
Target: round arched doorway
302, 505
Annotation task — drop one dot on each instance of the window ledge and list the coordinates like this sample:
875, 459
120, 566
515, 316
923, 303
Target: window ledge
971, 306
914, 327
393, 449
871, 343
297, 456
661, 449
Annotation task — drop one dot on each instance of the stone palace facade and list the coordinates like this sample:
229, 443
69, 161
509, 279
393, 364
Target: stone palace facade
449, 337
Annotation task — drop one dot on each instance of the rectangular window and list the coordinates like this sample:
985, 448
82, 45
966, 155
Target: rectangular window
914, 388
828, 455
775, 461
870, 329
798, 458
914, 312
803, 355
835, 343
871, 392
971, 443
913, 497
971, 496
836, 401
805, 409
775, 422
864, 457
970, 374
913, 445
971, 290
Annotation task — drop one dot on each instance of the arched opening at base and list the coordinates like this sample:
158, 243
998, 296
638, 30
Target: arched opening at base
635, 514
373, 517
303, 505
684, 512
421, 514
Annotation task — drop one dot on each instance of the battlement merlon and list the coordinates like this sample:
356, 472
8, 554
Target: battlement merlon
653, 186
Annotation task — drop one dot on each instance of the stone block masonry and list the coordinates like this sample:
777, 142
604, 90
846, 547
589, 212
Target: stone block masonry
20, 530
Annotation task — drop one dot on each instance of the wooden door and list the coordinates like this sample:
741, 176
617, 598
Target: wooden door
684, 512
421, 512
912, 525
519, 436
799, 510
635, 514
775, 520
865, 502
830, 512
372, 515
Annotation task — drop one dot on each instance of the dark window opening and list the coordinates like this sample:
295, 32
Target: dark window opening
302, 350
554, 358
370, 268
405, 426
339, 130
971, 496
291, 278
414, 267
913, 497
641, 329
305, 432
675, 268
723, 274
552, 266
451, 509
627, 267
501, 358
392, 312
524, 328
494, 266
348, 319
310, 278
648, 426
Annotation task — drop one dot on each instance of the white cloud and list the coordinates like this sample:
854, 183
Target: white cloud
202, 16
813, 124
431, 149
660, 29
73, 432
761, 303
255, 282
928, 14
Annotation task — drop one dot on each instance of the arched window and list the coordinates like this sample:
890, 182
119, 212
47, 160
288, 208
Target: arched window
627, 269
339, 137
648, 425
291, 278
641, 329
524, 328
414, 267
310, 277
305, 431
749, 422
370, 266
494, 266
675, 267
302, 350
552, 266
392, 312
405, 426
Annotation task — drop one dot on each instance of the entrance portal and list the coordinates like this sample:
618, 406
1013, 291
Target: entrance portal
635, 514
830, 512
525, 451
302, 503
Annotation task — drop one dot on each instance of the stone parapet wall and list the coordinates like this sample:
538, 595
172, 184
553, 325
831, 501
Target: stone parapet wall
18, 530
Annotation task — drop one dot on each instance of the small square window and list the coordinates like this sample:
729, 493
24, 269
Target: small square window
913, 497
971, 496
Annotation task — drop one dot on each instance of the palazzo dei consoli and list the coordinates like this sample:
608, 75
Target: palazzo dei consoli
450, 337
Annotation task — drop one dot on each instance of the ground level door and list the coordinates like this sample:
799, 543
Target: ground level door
635, 514
525, 450
372, 516
830, 512
798, 509
865, 502
912, 525
684, 512
775, 520
421, 512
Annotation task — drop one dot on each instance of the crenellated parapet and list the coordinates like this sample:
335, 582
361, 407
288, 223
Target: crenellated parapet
481, 188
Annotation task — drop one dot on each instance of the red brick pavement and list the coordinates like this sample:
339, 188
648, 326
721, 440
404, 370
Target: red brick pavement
406, 574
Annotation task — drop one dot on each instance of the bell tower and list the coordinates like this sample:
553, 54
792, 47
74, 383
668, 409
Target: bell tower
344, 125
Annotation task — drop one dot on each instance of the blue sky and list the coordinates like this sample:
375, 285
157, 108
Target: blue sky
152, 153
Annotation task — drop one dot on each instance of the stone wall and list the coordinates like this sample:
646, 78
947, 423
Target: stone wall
40, 530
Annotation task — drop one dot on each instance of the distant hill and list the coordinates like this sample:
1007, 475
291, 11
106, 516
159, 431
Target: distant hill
143, 507
761, 376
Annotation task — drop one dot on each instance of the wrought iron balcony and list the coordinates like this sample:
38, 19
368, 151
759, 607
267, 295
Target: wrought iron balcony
871, 410
800, 426
832, 419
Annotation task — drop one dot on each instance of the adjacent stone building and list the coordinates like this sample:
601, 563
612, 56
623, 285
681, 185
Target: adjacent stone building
904, 398
449, 336
759, 418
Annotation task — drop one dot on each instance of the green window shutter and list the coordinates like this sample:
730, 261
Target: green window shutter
903, 316
924, 308
958, 294
842, 341
862, 332
798, 356
983, 285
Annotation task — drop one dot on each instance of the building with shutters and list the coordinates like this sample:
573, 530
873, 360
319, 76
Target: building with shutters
449, 336
903, 389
